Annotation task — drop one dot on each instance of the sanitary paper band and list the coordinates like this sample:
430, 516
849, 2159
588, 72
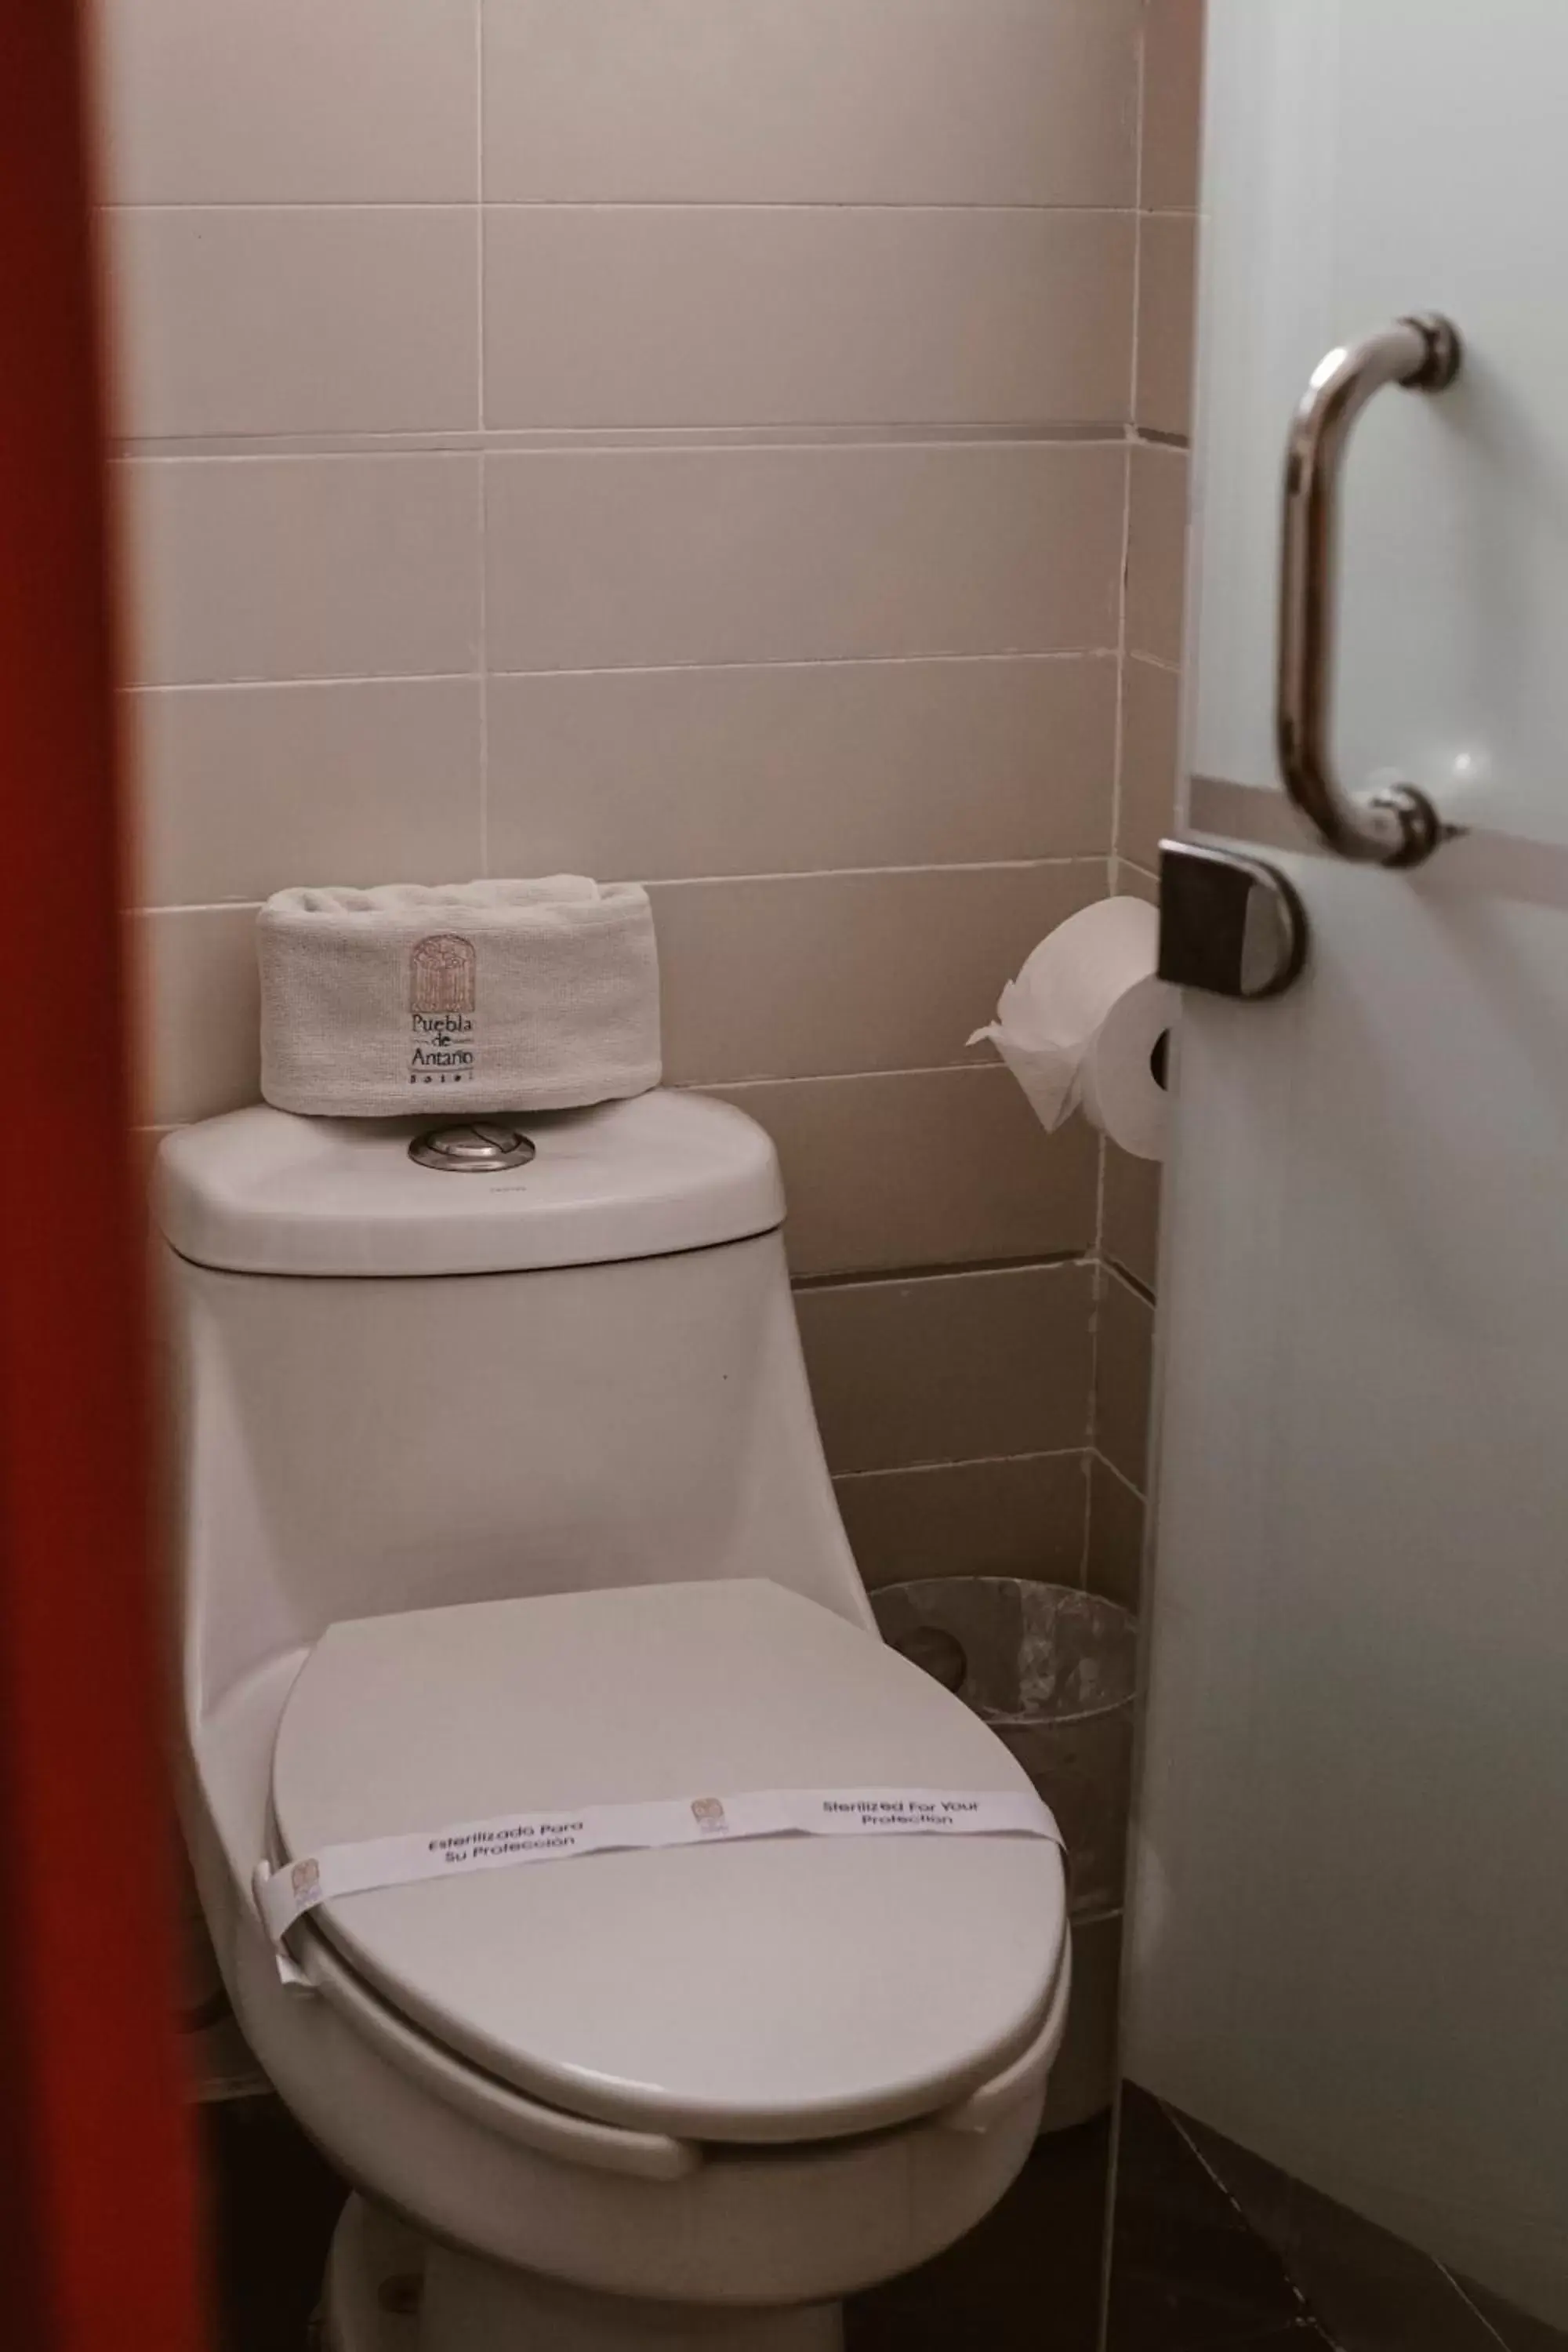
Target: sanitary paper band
286, 1894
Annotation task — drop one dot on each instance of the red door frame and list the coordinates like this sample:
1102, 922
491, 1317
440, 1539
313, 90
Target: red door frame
96, 2184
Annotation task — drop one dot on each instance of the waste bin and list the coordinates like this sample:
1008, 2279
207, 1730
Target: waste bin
1051, 1670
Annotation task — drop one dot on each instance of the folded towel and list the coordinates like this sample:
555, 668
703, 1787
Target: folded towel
465, 998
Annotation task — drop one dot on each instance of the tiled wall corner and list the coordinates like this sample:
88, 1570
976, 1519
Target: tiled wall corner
1172, 89
1123, 1371
1150, 712
1114, 1555
1124, 1330
1171, 74
1130, 1235
683, 440
1152, 634
1156, 552
1162, 393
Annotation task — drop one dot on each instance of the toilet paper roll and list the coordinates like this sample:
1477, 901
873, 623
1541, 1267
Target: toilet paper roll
1084, 1026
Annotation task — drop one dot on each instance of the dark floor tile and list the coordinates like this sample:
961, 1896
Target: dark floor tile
1368, 2289
272, 2205
1305, 2336
1519, 2332
1187, 2272
1261, 2191
1026, 2280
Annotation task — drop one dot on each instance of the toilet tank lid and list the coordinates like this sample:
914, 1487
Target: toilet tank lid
263, 1191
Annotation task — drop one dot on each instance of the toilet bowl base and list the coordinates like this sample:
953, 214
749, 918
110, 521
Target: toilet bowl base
389, 2290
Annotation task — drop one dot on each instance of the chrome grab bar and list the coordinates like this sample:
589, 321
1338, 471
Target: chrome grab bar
1393, 824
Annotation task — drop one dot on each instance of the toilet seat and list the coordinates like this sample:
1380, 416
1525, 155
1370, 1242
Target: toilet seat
782, 1991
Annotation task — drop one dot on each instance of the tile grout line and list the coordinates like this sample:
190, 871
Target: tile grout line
961, 1462
725, 1087
1471, 2305
1091, 1430
1129, 1281
1139, 112
974, 1069
294, 684
728, 881
621, 205
1086, 1551
1112, 871
1140, 102
934, 1270
1099, 1456
484, 548
733, 439
929, 1466
824, 661
1305, 2313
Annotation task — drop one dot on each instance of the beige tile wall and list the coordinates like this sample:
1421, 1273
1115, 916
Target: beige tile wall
1151, 681
690, 440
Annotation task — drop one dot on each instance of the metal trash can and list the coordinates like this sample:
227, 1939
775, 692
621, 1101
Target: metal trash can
1052, 1671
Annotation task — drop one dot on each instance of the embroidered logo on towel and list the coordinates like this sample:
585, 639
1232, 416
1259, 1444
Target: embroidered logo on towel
443, 993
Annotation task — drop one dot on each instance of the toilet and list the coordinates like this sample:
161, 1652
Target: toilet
497, 1485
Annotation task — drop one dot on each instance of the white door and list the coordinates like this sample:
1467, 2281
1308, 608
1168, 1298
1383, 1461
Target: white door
1351, 1901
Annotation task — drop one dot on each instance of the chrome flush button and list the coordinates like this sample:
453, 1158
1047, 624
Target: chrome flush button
481, 1150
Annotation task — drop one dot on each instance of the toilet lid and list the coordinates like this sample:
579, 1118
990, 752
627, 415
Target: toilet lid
784, 1990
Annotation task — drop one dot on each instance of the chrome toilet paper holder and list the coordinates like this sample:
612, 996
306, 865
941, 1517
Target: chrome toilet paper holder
1228, 924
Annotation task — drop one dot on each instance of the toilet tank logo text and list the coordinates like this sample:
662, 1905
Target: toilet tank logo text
443, 995
708, 1815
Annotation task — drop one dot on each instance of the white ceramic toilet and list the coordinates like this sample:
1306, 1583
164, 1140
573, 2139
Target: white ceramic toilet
499, 1487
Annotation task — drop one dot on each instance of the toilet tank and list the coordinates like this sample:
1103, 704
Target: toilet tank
397, 1387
